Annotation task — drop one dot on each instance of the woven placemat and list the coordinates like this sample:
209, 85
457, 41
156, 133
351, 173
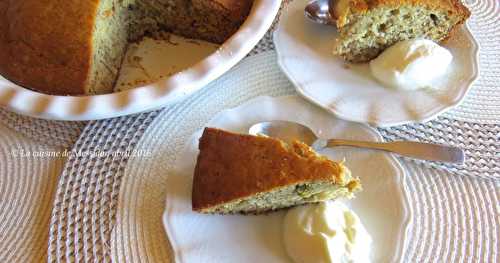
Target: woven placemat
482, 104
98, 206
27, 186
55, 133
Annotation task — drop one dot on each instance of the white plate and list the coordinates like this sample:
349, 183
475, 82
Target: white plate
382, 205
350, 92
151, 96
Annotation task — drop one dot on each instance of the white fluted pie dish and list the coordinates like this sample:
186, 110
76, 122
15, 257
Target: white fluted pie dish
148, 97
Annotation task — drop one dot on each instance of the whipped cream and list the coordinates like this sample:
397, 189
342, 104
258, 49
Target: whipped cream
411, 64
325, 232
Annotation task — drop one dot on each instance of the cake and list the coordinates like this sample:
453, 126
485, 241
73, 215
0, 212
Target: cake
76, 47
367, 27
238, 173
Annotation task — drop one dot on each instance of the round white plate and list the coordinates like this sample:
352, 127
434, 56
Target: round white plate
382, 205
152, 96
349, 91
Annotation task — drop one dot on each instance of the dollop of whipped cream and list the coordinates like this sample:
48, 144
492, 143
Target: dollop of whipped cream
411, 64
325, 232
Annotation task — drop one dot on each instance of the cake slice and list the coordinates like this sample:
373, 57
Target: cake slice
367, 27
238, 173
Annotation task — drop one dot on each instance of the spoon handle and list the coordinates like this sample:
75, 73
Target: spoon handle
417, 150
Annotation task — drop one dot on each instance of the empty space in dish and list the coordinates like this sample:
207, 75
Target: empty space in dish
151, 60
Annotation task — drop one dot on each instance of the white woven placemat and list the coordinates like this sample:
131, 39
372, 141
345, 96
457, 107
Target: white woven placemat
55, 133
99, 209
27, 185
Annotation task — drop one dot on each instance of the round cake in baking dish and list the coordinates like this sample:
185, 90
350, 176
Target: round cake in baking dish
73, 47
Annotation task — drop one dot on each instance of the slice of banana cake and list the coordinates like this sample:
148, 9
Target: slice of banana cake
238, 173
367, 27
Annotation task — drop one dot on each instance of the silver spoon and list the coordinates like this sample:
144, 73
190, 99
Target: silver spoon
290, 131
320, 11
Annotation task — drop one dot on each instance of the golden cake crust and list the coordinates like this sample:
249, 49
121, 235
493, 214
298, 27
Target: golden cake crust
244, 165
46, 44
345, 8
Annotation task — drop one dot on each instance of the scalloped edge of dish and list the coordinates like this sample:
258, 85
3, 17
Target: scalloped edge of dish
152, 96
423, 117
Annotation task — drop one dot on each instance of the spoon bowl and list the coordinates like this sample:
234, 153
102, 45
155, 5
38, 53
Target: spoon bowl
284, 130
320, 11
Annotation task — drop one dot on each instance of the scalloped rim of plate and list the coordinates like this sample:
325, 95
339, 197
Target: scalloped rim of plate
152, 96
400, 178
431, 114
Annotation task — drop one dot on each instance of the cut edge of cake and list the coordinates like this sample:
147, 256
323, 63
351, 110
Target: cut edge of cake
306, 177
293, 195
209, 20
366, 28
